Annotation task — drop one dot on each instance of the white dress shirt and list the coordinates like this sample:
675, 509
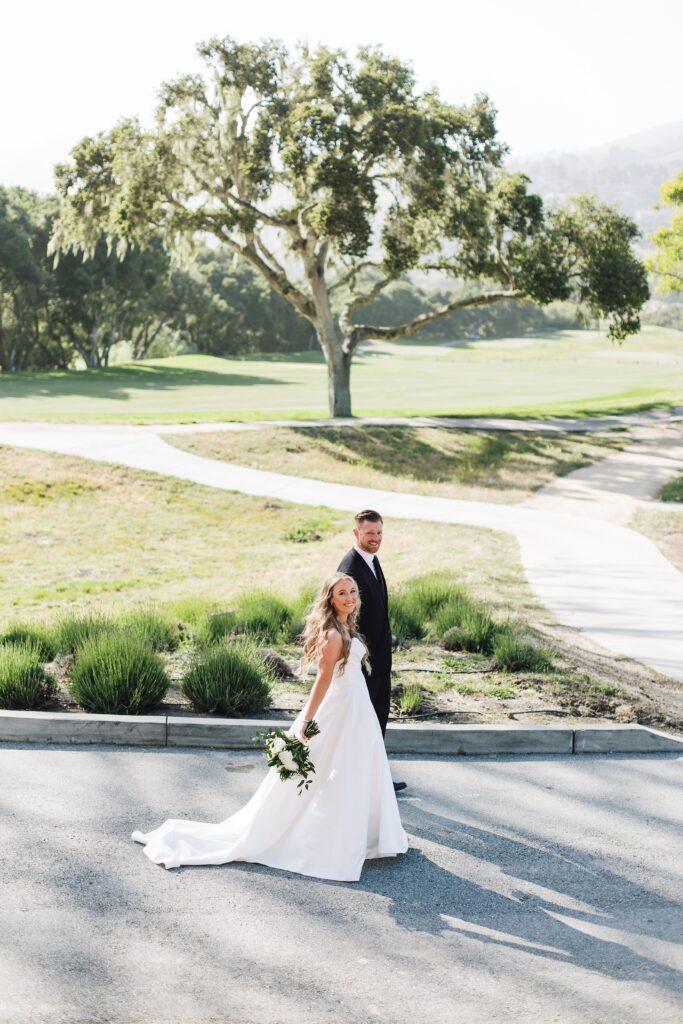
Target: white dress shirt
368, 558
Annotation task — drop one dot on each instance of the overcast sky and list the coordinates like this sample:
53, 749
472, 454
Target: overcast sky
562, 76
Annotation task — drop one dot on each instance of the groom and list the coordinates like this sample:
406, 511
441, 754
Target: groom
362, 564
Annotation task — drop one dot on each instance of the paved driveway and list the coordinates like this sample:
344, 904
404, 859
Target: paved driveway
537, 890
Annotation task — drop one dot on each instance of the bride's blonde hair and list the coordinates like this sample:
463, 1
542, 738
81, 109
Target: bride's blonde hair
322, 617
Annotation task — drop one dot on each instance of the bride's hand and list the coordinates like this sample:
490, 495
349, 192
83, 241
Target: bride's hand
301, 733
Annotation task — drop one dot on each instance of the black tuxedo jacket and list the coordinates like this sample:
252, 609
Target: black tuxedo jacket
373, 623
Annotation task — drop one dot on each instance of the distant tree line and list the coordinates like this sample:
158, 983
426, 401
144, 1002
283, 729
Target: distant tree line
52, 312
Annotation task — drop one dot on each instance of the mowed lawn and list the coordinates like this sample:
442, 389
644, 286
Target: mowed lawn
565, 373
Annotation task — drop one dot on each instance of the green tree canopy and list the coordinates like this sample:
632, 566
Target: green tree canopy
26, 285
333, 177
667, 263
104, 299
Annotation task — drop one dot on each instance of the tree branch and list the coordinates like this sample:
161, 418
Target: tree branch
291, 226
266, 255
352, 273
362, 331
345, 320
278, 281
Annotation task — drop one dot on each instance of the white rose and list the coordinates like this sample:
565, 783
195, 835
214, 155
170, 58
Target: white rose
276, 745
287, 761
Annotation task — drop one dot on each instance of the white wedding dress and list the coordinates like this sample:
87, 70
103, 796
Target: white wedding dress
349, 813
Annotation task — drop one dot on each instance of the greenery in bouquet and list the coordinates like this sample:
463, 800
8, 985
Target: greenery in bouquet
288, 754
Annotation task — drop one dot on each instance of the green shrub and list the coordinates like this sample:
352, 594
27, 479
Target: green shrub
156, 629
299, 609
503, 692
42, 638
216, 627
24, 683
607, 690
427, 594
115, 673
476, 632
191, 611
464, 689
411, 698
229, 679
512, 653
405, 623
74, 630
451, 613
308, 530
262, 614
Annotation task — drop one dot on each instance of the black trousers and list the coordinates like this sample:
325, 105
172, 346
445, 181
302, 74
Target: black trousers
379, 688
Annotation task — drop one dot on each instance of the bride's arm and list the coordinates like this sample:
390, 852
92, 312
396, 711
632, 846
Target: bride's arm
330, 655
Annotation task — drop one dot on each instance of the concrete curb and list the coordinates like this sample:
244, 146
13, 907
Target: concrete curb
237, 734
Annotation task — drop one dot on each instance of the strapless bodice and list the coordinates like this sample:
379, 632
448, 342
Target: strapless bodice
352, 671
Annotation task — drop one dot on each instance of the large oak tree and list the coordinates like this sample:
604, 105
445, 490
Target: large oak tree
333, 177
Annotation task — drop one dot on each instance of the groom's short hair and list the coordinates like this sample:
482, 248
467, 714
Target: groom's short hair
368, 515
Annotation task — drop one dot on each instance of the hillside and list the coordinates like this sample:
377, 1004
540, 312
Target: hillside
627, 172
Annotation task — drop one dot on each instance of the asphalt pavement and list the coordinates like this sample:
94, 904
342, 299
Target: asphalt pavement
538, 889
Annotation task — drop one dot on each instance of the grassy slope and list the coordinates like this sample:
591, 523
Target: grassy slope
452, 463
76, 531
571, 372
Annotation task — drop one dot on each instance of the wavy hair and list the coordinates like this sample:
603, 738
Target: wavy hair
322, 617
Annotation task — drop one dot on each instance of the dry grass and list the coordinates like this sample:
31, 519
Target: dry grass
78, 533
665, 529
504, 467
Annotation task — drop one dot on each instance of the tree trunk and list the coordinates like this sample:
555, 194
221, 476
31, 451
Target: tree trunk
90, 350
88, 353
339, 382
338, 368
331, 342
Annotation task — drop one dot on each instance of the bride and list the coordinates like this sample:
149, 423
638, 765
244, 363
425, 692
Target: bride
350, 813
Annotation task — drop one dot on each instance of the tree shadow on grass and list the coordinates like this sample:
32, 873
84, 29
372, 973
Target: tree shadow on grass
117, 382
477, 459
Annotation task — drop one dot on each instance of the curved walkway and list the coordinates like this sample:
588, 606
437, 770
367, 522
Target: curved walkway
616, 487
608, 581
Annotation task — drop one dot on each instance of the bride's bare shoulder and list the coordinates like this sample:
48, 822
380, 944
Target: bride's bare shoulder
333, 638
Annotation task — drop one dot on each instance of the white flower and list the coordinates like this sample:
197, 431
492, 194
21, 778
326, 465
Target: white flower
287, 761
276, 745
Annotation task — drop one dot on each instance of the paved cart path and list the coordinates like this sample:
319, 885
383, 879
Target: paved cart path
535, 890
616, 487
594, 575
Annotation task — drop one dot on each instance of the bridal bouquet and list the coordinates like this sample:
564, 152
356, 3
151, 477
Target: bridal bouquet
288, 754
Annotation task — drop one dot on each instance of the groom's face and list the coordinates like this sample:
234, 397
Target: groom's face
369, 536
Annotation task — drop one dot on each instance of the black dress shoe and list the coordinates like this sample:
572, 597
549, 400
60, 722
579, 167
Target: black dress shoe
398, 786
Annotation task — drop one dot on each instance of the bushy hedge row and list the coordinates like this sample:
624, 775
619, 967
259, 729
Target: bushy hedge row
433, 606
116, 668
